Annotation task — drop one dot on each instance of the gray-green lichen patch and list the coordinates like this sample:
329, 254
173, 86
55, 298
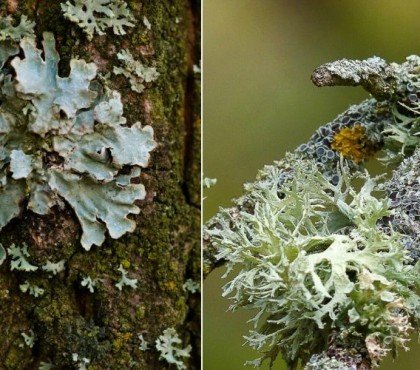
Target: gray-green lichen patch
20, 164
404, 192
66, 138
96, 16
293, 252
19, 257
11, 35
89, 283
135, 71
33, 290
29, 340
169, 344
316, 257
54, 267
52, 96
125, 281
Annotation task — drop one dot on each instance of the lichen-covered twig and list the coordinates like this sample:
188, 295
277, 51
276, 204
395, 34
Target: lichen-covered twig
373, 74
332, 270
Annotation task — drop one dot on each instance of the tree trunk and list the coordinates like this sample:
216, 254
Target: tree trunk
164, 250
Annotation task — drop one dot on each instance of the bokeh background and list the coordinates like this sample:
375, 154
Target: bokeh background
259, 102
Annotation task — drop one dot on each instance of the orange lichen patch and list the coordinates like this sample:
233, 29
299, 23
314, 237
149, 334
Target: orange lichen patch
352, 143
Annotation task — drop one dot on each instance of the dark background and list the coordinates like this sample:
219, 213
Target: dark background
260, 102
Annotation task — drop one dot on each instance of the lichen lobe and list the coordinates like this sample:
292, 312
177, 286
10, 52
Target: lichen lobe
95, 154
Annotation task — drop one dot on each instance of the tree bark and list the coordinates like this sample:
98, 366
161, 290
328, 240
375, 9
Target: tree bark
164, 250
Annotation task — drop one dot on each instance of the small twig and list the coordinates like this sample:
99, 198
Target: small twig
373, 74
210, 262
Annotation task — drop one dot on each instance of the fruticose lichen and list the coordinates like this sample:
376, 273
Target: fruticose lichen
65, 139
95, 16
296, 249
322, 261
169, 346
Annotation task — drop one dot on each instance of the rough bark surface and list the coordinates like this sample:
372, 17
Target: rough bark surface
163, 251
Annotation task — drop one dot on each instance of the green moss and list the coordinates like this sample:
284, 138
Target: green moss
126, 264
14, 357
121, 340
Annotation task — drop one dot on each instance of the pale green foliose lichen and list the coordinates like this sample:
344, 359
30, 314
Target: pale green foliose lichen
33, 290
89, 283
65, 139
125, 281
54, 267
144, 344
170, 347
191, 286
135, 71
11, 35
29, 340
96, 16
19, 257
81, 362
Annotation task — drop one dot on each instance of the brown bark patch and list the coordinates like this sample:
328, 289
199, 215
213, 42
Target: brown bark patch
12, 6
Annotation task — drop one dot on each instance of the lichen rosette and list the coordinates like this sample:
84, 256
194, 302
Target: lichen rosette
65, 140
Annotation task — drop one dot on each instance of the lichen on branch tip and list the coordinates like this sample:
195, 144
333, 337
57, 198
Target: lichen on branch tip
325, 254
374, 74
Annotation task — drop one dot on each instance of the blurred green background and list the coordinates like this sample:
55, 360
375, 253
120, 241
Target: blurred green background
259, 102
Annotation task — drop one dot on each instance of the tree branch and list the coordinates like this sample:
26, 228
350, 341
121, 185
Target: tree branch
374, 74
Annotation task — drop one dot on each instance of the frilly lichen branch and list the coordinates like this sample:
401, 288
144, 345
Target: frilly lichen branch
332, 269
